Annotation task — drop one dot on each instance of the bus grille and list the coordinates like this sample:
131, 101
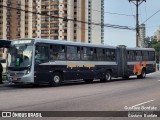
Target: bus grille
17, 74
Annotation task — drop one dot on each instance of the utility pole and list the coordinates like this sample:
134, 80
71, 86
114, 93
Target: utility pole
137, 3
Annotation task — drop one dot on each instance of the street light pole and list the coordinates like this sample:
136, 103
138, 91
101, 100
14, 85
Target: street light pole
137, 3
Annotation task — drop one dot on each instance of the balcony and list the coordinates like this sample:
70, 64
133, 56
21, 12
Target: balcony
45, 22
54, 3
54, 9
34, 34
54, 28
64, 34
8, 2
45, 9
8, 35
45, 34
65, 2
53, 34
18, 25
18, 13
8, 13
33, 28
53, 21
45, 28
45, 3
8, 30
65, 9
18, 2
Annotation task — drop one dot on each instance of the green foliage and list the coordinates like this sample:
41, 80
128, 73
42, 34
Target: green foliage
151, 42
156, 46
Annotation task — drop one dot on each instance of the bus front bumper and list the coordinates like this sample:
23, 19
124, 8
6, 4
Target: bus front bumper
25, 79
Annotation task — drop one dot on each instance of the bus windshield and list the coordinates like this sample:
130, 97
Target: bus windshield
20, 55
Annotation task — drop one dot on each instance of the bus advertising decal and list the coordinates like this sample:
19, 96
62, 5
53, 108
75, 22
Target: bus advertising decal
138, 67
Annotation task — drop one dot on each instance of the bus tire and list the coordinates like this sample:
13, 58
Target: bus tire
88, 80
56, 79
108, 77
142, 75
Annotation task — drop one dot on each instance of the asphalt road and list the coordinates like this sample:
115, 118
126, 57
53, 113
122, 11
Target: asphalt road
78, 96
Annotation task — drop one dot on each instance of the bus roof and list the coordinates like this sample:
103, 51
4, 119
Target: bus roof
36, 40
68, 43
136, 48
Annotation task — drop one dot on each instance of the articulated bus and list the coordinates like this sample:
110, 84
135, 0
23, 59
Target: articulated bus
41, 61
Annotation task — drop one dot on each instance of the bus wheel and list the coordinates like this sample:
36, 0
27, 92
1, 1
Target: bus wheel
142, 75
57, 79
88, 80
108, 77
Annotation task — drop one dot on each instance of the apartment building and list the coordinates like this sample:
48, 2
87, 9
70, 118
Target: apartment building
142, 35
157, 34
15, 23
42, 19
49, 25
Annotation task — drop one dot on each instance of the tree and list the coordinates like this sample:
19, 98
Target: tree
151, 42
156, 46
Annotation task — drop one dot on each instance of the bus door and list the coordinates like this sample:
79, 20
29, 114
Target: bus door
122, 61
41, 61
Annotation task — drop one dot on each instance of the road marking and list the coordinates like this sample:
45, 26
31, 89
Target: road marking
143, 103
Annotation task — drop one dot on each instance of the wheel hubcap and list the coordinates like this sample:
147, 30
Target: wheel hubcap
108, 76
56, 79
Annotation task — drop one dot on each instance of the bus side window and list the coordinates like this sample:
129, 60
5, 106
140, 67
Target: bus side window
151, 56
138, 55
41, 54
57, 52
73, 53
108, 55
131, 56
145, 55
113, 55
100, 54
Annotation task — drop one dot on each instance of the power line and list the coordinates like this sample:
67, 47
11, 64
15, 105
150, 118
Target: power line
26, 6
92, 10
73, 20
151, 16
120, 14
118, 26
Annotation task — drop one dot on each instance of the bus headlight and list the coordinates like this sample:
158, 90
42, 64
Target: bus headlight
28, 71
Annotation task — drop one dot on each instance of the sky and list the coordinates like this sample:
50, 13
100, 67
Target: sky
127, 37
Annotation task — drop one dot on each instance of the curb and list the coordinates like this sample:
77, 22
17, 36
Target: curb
2, 85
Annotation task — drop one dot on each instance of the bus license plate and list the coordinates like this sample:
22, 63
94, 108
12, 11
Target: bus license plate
14, 78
